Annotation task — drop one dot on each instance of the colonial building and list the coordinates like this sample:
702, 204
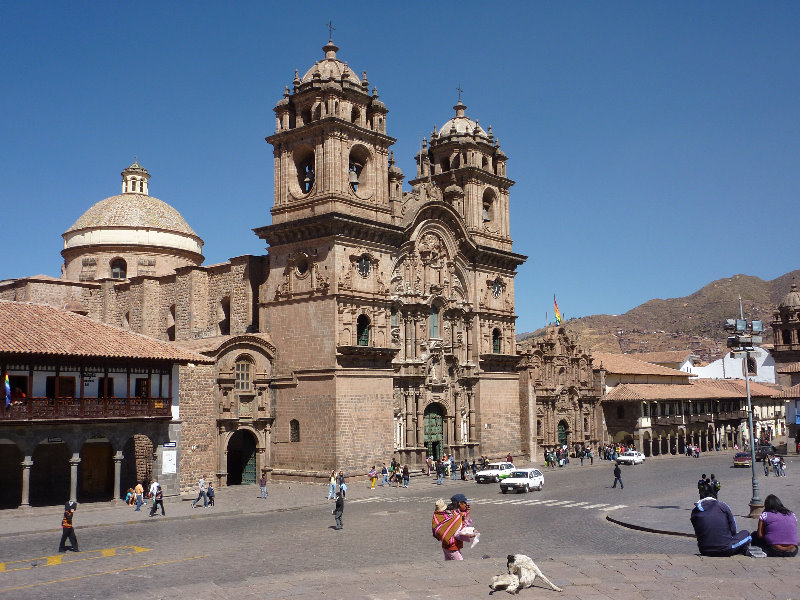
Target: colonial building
93, 409
381, 322
560, 394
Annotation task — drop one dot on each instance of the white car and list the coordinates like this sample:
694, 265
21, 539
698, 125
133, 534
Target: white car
494, 472
523, 480
631, 457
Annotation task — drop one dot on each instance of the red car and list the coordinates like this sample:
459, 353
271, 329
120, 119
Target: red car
742, 459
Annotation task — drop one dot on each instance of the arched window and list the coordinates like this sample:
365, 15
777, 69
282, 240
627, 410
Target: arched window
355, 115
294, 430
119, 269
434, 321
243, 374
585, 424
496, 341
787, 336
538, 428
488, 205
394, 316
362, 330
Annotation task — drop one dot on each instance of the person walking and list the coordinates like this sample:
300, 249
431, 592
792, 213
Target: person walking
332, 486
406, 476
453, 474
342, 484
262, 483
618, 477
338, 509
210, 494
158, 499
384, 475
373, 477
439, 471
201, 492
67, 530
139, 491
701, 486
714, 486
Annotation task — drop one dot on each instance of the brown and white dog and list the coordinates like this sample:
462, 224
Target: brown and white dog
521, 573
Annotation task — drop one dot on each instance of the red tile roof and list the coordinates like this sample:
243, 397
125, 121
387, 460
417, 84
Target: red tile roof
626, 364
44, 330
698, 389
668, 356
792, 392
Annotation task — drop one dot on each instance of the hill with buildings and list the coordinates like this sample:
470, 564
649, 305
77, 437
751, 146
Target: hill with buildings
693, 322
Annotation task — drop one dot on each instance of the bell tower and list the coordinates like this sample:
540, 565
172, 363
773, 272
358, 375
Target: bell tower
331, 150
463, 157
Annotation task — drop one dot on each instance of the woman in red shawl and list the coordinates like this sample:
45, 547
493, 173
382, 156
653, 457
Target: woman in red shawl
448, 522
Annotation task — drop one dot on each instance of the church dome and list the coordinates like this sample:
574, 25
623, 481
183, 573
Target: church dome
133, 227
792, 299
461, 124
133, 211
330, 67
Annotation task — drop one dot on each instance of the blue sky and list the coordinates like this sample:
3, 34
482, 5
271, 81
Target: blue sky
654, 146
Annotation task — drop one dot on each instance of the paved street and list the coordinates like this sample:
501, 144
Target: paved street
247, 547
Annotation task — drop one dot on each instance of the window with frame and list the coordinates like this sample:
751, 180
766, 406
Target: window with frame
243, 375
294, 430
105, 387
142, 387
119, 269
362, 330
434, 321
496, 341
64, 389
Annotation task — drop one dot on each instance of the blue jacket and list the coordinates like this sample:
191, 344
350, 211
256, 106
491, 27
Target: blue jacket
715, 526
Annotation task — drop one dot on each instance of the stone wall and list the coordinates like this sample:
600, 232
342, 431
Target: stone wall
197, 453
499, 408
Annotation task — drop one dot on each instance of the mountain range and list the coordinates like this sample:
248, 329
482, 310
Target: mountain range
693, 322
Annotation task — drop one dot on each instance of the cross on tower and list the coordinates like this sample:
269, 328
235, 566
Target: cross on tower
331, 29
460, 91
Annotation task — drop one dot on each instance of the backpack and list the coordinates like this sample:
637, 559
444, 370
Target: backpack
717, 485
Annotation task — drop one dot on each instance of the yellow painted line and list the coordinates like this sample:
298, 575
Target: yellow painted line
62, 559
156, 564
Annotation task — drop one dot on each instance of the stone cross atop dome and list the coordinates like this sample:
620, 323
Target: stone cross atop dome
135, 179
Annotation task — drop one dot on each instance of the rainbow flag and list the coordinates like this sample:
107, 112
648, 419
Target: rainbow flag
8, 391
558, 314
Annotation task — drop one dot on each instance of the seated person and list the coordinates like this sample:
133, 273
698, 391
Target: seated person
716, 531
777, 529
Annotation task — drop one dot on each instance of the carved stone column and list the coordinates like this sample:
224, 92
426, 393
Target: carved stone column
73, 477
117, 475
420, 418
27, 463
409, 414
473, 427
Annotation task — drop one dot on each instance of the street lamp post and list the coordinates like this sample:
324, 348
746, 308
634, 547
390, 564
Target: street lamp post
741, 343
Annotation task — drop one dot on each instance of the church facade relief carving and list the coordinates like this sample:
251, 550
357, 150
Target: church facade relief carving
562, 397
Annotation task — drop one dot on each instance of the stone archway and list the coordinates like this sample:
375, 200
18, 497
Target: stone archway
96, 471
50, 474
681, 442
242, 467
10, 474
137, 463
646, 444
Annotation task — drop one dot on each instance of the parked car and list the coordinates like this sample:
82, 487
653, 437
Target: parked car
631, 457
742, 459
494, 472
764, 450
523, 480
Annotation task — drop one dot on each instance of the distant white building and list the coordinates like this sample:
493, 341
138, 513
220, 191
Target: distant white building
761, 367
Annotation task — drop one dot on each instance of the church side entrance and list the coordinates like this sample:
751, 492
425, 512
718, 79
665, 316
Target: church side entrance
563, 432
433, 421
242, 458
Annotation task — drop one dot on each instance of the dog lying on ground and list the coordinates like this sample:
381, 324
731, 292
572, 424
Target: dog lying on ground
521, 573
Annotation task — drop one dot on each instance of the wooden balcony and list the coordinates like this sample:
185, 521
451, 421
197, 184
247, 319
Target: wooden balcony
732, 415
61, 409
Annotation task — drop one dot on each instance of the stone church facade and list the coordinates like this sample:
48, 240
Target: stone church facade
380, 323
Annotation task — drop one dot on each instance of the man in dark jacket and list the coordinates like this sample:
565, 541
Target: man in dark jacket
716, 531
338, 510
67, 530
618, 477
